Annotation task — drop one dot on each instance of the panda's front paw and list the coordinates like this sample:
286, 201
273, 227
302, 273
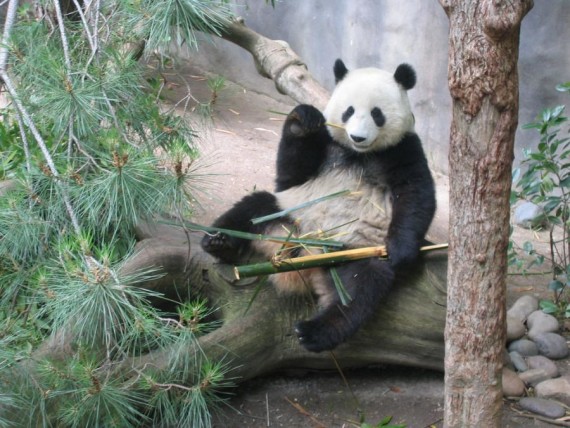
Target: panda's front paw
316, 336
402, 254
304, 120
219, 245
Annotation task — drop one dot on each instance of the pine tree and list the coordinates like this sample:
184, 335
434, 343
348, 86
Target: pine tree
87, 153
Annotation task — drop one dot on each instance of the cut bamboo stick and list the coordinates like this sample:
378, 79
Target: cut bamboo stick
317, 260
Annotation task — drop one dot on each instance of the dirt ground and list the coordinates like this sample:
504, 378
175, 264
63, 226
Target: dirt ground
238, 144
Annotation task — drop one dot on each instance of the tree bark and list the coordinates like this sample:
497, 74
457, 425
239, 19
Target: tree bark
483, 80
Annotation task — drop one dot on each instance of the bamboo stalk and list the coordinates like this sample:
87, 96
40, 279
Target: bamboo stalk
334, 125
317, 260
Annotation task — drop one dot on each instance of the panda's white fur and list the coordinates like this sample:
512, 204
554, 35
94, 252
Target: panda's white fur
364, 89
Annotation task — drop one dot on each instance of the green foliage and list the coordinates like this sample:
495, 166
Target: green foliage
544, 179
177, 20
560, 309
87, 152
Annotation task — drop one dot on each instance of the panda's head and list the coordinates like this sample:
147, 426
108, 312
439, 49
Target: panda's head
369, 108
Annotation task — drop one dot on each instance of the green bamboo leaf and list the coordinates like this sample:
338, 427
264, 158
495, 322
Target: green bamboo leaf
343, 294
261, 237
300, 206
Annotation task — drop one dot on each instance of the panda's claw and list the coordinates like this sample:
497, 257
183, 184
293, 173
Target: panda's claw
215, 242
220, 246
315, 336
304, 120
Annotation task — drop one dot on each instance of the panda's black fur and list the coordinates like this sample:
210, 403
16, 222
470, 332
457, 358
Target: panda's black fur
376, 154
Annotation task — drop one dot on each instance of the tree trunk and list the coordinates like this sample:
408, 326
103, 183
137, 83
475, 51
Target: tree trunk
483, 80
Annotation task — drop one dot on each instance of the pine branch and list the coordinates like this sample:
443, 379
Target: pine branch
64, 41
88, 34
8, 24
43, 147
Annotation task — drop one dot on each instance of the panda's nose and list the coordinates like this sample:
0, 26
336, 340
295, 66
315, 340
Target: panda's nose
357, 139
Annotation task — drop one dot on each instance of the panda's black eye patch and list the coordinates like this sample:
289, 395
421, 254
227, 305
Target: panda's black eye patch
347, 114
378, 117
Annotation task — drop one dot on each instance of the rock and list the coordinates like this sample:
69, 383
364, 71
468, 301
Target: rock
542, 407
523, 307
513, 386
507, 360
541, 362
528, 215
518, 362
533, 377
515, 328
538, 322
524, 347
558, 389
551, 345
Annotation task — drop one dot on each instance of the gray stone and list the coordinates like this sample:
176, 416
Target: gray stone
507, 360
518, 361
528, 215
524, 347
551, 345
542, 407
538, 322
541, 362
513, 386
558, 389
533, 377
523, 307
515, 328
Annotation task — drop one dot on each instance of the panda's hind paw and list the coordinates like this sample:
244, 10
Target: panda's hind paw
315, 336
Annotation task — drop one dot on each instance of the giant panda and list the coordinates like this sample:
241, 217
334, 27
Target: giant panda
364, 141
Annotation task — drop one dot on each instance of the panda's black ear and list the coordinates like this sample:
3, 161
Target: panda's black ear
405, 76
340, 70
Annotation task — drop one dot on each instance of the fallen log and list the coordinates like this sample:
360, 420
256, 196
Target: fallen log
257, 334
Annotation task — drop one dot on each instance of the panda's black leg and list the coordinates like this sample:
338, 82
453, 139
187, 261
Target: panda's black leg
230, 249
302, 148
367, 282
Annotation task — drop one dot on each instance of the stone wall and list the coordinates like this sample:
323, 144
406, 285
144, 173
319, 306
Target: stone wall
385, 33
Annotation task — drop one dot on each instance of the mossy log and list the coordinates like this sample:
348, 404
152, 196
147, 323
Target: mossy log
256, 335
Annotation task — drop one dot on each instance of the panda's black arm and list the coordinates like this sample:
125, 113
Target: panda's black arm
302, 148
414, 202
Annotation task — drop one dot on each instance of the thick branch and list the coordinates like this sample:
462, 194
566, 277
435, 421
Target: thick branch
277, 61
